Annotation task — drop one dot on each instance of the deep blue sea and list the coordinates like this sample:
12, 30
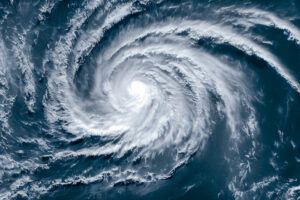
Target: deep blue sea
154, 100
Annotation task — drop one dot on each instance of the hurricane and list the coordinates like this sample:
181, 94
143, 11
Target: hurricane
142, 99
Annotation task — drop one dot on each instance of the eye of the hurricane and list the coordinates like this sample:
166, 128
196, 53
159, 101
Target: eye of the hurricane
138, 92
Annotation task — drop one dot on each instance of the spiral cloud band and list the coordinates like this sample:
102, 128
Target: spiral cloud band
121, 93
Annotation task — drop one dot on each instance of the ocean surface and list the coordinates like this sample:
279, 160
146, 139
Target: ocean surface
142, 99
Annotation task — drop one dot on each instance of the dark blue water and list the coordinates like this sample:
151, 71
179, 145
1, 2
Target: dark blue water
149, 99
